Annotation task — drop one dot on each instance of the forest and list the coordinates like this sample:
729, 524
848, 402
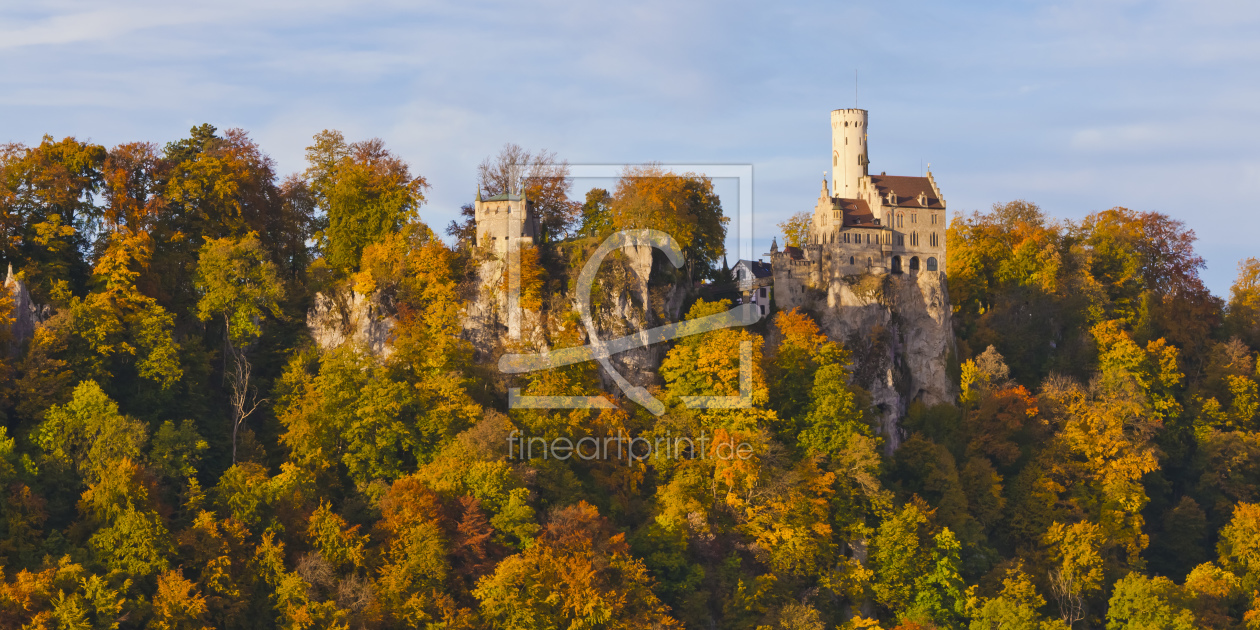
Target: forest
178, 452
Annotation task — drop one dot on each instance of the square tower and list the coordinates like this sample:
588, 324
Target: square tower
504, 219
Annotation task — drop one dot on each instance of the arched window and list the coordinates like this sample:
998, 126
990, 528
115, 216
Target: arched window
835, 158
914, 263
896, 264
931, 264
850, 260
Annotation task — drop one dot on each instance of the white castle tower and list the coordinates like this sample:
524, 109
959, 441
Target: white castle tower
848, 152
849, 156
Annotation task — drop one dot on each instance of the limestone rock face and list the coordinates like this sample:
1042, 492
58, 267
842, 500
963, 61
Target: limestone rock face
900, 331
621, 304
27, 315
484, 324
357, 318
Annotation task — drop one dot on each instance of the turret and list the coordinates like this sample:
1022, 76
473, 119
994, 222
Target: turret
849, 159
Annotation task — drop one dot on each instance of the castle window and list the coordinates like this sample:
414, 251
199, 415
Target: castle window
932, 239
901, 220
914, 263
914, 218
835, 158
846, 237
850, 260
901, 239
933, 219
931, 264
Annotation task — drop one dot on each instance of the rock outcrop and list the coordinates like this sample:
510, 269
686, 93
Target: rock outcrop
26, 314
900, 331
623, 302
358, 318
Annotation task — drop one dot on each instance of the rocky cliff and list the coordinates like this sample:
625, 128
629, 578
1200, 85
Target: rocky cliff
351, 316
623, 303
26, 314
900, 331
897, 326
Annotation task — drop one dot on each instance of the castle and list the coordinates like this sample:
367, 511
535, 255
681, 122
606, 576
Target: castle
876, 224
871, 272
504, 219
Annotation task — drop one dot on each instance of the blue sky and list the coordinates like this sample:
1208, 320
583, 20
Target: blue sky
1075, 105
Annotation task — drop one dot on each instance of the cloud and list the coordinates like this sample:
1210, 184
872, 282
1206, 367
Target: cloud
1075, 104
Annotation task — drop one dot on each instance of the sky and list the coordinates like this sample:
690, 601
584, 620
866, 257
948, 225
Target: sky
1077, 105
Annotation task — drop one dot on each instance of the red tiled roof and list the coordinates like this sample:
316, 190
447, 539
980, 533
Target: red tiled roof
794, 253
907, 189
856, 211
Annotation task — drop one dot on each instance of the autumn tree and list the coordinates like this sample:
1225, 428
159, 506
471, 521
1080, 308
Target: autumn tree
178, 605
917, 569
1016, 607
684, 206
47, 213
596, 213
116, 328
239, 284
129, 534
1147, 267
88, 434
796, 229
1078, 570
363, 192
578, 574
1243, 316
1143, 602
797, 350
